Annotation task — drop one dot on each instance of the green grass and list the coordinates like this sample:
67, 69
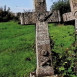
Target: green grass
63, 50
17, 47
62, 36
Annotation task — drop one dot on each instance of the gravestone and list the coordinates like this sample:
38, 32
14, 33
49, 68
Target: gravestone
43, 50
22, 19
72, 16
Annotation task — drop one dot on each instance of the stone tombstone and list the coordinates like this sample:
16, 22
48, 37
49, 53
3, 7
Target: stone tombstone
43, 50
41, 17
22, 19
73, 14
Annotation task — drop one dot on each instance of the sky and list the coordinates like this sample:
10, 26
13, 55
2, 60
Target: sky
21, 5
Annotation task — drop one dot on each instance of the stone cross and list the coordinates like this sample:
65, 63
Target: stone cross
72, 16
43, 50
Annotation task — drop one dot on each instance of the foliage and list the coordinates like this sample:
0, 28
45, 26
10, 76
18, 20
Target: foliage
62, 5
17, 56
63, 49
6, 15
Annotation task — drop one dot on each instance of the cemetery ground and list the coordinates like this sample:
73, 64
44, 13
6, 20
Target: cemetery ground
17, 49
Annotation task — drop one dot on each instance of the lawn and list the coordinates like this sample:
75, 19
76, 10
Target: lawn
17, 56
17, 46
62, 36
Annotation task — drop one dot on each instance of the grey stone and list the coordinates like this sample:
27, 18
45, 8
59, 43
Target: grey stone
73, 5
76, 26
40, 10
68, 16
73, 14
22, 19
43, 50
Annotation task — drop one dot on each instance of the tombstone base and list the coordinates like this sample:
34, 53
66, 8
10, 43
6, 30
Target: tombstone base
33, 74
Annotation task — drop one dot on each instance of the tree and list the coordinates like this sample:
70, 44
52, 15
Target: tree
6, 15
62, 5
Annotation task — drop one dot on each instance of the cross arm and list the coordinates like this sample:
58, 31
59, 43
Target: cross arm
68, 16
28, 18
53, 16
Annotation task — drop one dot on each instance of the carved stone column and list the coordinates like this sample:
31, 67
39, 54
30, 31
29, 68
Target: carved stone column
43, 50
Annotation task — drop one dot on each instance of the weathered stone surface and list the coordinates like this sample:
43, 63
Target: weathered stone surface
40, 10
76, 26
73, 14
55, 17
40, 6
73, 5
21, 19
31, 75
28, 18
43, 50
31, 17
68, 16
76, 35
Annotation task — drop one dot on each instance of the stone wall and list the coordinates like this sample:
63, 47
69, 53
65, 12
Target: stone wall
27, 18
